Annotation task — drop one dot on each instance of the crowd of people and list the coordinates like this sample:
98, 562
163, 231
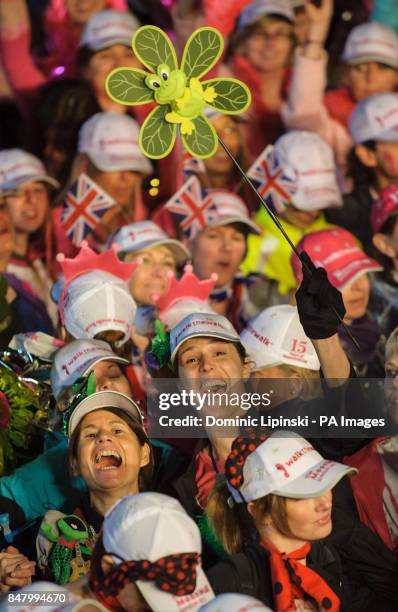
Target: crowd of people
120, 274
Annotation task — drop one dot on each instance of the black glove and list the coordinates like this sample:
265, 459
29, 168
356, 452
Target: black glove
316, 298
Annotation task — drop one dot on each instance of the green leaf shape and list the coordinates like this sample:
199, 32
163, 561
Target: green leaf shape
127, 86
157, 136
202, 50
233, 96
203, 141
152, 47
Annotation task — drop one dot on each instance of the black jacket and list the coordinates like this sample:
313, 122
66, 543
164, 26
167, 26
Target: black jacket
365, 558
248, 572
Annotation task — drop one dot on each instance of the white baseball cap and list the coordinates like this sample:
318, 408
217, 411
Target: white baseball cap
259, 8
96, 302
111, 142
145, 235
234, 602
275, 336
375, 118
308, 161
182, 308
107, 28
148, 527
289, 466
103, 400
38, 344
230, 209
371, 42
201, 325
18, 167
76, 359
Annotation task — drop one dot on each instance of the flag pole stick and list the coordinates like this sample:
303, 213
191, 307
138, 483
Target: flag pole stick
279, 226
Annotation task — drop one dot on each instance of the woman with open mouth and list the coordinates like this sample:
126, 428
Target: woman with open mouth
207, 357
109, 449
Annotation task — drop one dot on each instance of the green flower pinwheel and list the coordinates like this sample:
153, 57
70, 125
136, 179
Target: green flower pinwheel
181, 97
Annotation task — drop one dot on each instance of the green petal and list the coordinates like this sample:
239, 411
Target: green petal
233, 96
202, 50
203, 141
157, 136
127, 86
152, 47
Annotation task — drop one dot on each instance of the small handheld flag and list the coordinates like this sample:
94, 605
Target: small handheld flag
84, 206
192, 209
271, 183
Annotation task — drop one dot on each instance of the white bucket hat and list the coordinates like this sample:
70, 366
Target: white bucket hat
96, 302
76, 359
289, 466
108, 28
111, 142
103, 400
201, 325
18, 167
145, 235
149, 527
275, 336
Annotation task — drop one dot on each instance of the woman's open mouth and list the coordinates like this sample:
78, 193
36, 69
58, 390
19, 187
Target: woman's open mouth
108, 460
213, 386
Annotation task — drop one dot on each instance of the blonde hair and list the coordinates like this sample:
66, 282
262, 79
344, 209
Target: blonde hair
230, 524
309, 379
392, 344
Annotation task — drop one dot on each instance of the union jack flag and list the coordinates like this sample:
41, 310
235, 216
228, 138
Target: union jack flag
193, 210
191, 165
270, 181
84, 206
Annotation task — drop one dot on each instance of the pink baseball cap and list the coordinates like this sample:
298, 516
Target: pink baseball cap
371, 42
111, 142
338, 252
384, 207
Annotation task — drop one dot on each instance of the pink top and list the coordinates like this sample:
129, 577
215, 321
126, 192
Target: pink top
306, 108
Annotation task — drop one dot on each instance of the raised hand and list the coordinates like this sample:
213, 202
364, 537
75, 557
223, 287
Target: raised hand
320, 16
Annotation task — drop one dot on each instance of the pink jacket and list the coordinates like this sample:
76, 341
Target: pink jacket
306, 108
